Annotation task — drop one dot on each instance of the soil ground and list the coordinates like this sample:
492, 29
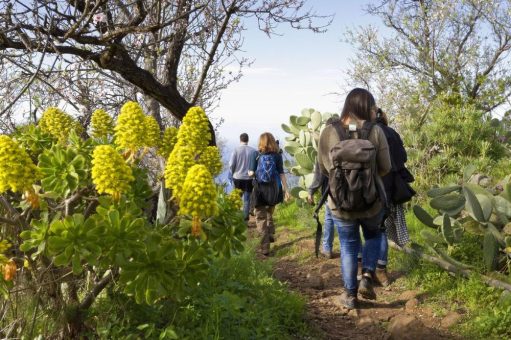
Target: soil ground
397, 313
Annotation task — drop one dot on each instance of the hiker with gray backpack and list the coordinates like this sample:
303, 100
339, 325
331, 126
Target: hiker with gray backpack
353, 153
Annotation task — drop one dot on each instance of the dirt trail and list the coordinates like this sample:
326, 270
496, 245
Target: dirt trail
396, 314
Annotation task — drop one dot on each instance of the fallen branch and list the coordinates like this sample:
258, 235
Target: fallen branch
466, 273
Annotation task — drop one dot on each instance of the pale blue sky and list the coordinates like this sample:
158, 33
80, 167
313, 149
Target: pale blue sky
297, 70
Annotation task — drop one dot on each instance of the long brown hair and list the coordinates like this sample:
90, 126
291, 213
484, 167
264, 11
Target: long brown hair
267, 143
358, 104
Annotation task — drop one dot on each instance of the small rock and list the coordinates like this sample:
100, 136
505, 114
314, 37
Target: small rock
411, 304
408, 295
406, 327
353, 313
450, 320
280, 274
316, 282
364, 322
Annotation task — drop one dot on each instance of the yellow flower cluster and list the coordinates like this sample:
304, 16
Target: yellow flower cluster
180, 160
198, 198
152, 132
110, 173
130, 131
169, 140
211, 158
17, 171
194, 131
58, 124
102, 124
234, 198
191, 166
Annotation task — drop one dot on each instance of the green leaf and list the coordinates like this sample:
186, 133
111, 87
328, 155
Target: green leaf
435, 192
316, 120
473, 206
161, 211
423, 216
295, 191
490, 250
468, 172
303, 121
447, 231
304, 161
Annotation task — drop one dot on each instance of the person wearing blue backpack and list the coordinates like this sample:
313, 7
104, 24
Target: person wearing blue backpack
270, 187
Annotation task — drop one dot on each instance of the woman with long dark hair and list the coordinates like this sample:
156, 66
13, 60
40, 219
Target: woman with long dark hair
359, 108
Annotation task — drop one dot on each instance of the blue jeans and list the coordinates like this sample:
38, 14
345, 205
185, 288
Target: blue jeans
246, 204
349, 237
384, 250
328, 236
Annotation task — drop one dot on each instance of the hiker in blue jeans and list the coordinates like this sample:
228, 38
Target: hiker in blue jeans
321, 181
358, 111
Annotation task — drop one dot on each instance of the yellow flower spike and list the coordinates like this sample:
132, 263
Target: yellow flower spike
17, 171
234, 198
153, 135
180, 160
102, 124
194, 132
200, 206
169, 140
212, 159
110, 173
58, 124
130, 131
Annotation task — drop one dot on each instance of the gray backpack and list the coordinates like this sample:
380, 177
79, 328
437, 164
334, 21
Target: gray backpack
352, 180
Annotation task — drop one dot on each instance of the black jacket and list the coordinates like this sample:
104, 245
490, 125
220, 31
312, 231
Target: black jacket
398, 159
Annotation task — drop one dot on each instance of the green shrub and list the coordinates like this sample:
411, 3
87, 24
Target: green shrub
238, 300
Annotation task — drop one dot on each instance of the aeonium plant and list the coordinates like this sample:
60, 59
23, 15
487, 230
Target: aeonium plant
76, 213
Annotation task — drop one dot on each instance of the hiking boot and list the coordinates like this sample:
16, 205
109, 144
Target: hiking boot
381, 277
327, 254
348, 301
272, 238
359, 271
365, 288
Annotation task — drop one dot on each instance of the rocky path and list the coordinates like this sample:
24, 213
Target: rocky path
396, 314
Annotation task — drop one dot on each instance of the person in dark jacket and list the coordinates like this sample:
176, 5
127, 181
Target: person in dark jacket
395, 223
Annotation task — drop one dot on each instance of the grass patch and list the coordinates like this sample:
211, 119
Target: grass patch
486, 313
239, 299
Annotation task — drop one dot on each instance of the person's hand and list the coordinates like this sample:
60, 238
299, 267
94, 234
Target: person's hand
286, 196
310, 199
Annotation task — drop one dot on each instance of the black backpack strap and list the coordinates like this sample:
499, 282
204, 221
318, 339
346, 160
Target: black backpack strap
341, 132
366, 129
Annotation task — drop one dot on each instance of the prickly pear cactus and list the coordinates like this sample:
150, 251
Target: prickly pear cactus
302, 144
473, 209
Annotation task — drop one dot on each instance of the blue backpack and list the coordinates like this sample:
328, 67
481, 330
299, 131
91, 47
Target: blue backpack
266, 171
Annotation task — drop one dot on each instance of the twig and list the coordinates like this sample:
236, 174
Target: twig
30, 81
